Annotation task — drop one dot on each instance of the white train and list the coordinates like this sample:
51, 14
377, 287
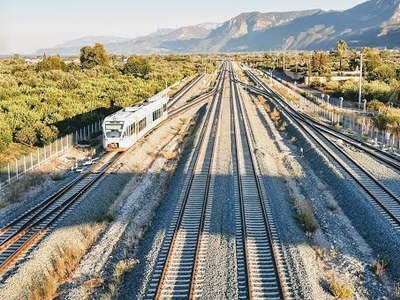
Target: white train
123, 128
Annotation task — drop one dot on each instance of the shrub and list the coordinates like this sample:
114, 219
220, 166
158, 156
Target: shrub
27, 136
339, 290
275, 116
395, 294
305, 215
331, 206
57, 176
379, 266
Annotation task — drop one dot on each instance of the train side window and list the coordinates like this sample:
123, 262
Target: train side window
134, 127
164, 107
157, 114
142, 124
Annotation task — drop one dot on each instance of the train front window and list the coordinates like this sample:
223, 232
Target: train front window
114, 129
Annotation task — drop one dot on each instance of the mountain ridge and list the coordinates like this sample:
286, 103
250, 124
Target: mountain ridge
372, 23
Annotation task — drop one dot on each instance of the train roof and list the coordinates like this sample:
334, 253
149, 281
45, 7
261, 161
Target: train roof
127, 111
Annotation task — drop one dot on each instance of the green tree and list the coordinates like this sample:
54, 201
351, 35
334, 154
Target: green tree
371, 59
46, 134
93, 56
381, 120
137, 66
354, 61
5, 135
27, 136
315, 60
51, 63
341, 48
383, 73
320, 62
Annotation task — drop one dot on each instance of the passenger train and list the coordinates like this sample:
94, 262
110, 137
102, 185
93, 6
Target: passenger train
123, 128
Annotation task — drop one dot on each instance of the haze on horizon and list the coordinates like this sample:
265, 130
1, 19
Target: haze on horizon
26, 26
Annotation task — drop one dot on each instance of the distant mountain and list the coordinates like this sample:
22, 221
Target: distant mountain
89, 40
176, 40
374, 23
209, 25
72, 47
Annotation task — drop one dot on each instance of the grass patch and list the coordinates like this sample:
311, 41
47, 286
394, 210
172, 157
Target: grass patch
283, 126
339, 290
22, 185
395, 293
305, 215
63, 263
107, 217
275, 116
379, 266
57, 176
120, 269
168, 155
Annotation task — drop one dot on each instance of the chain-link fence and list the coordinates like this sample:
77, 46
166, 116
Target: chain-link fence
14, 170
354, 121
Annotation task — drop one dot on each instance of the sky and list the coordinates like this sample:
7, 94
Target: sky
27, 25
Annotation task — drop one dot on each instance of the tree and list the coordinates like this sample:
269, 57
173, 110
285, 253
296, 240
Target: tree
341, 48
51, 63
321, 62
93, 56
5, 135
137, 66
315, 60
371, 59
383, 73
27, 136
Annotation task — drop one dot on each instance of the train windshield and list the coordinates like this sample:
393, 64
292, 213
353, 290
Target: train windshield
114, 128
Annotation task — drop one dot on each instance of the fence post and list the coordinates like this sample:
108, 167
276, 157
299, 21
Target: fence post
32, 160
16, 167
44, 149
57, 146
25, 164
38, 157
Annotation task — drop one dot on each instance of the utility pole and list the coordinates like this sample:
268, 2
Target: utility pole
309, 70
360, 83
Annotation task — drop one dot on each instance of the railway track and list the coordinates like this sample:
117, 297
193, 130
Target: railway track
176, 271
22, 233
380, 196
257, 250
180, 268
385, 157
172, 113
185, 90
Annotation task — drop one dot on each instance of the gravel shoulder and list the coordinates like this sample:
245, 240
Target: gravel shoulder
350, 230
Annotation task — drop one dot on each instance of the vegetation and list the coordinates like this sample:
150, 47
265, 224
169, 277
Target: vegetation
341, 48
381, 70
340, 290
55, 96
380, 84
305, 215
63, 263
379, 266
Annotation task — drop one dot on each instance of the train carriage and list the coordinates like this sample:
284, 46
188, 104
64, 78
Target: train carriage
123, 128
